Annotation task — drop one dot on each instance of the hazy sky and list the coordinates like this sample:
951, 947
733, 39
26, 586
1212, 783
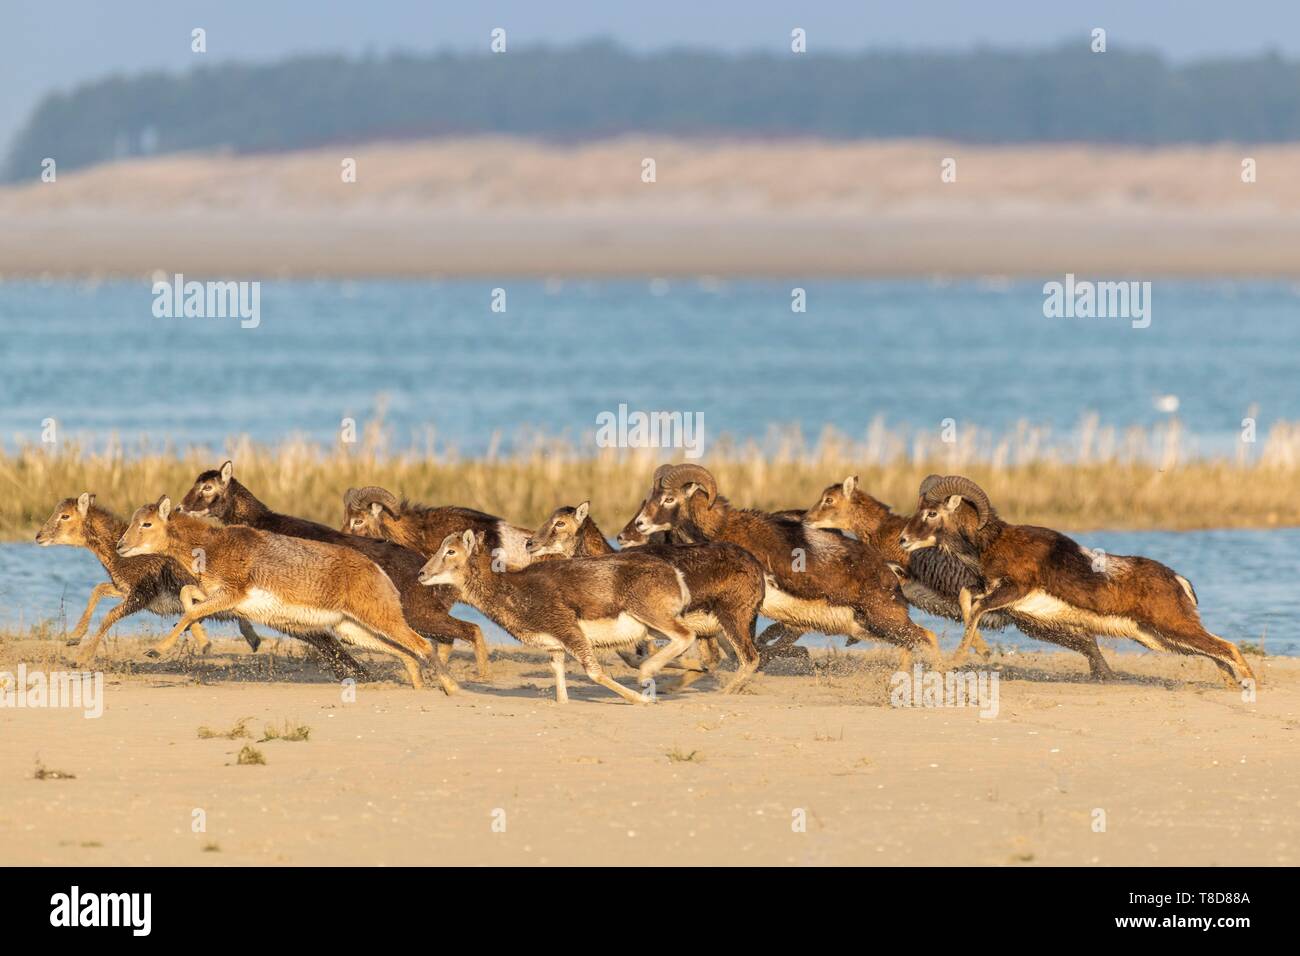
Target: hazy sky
46, 46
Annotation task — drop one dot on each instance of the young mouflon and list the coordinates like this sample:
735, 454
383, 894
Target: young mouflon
291, 584
146, 583
725, 581
572, 607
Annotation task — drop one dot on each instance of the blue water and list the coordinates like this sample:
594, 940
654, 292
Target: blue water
1245, 581
94, 358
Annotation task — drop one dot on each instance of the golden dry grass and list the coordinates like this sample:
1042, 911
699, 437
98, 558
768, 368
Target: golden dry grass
1108, 479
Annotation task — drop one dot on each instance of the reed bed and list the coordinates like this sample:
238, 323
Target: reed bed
1097, 477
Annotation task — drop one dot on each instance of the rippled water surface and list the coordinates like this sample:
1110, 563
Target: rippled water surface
94, 358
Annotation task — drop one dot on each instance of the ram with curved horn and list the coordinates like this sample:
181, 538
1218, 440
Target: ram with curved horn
1046, 577
375, 512
932, 578
816, 580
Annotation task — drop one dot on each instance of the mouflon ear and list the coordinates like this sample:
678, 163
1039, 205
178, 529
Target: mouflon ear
850, 483
227, 472
580, 514
953, 503
164, 507
84, 501
468, 540
376, 508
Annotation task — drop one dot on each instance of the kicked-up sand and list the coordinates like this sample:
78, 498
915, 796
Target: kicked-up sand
811, 765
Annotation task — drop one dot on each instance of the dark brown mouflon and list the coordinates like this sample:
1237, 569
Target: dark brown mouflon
378, 513
815, 579
574, 606
725, 581
1044, 575
933, 578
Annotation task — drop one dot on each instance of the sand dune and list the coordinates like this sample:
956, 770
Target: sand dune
1175, 768
500, 206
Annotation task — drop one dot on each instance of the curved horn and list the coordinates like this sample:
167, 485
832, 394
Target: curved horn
677, 476
963, 486
358, 499
928, 483
660, 473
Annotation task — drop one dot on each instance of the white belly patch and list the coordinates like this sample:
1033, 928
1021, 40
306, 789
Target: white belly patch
1052, 610
810, 615
623, 630
273, 611
353, 633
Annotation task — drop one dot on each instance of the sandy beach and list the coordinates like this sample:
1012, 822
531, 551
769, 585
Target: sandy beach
496, 207
1177, 769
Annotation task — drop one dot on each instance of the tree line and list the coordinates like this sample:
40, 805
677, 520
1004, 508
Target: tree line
597, 89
